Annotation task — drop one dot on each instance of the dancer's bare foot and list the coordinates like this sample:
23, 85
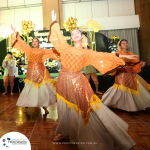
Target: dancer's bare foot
60, 137
46, 111
5, 93
12, 93
25, 109
98, 92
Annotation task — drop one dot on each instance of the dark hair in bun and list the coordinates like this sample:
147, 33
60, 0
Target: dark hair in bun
122, 41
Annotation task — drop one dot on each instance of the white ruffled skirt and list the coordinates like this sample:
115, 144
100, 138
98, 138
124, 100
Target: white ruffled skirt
104, 131
37, 97
125, 100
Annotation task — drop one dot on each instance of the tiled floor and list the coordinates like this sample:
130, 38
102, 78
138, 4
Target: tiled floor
41, 129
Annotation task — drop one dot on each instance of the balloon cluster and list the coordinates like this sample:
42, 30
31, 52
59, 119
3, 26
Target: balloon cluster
17, 54
27, 26
70, 24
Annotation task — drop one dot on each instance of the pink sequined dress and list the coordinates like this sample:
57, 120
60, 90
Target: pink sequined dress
81, 114
40, 87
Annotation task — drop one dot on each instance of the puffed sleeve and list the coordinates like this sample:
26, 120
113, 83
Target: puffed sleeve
50, 53
18, 43
56, 38
105, 63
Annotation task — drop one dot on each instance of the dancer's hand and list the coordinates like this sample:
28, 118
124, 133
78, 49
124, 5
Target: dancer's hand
53, 15
143, 63
132, 56
13, 29
129, 56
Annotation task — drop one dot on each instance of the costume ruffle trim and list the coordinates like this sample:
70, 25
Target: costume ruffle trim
126, 89
36, 85
93, 105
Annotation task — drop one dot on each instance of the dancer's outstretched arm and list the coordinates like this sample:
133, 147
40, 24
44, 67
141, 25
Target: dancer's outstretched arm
106, 63
17, 42
135, 63
56, 37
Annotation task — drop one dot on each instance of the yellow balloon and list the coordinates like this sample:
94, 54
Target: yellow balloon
68, 23
30, 26
75, 20
25, 27
71, 21
70, 18
25, 22
30, 22
73, 25
31, 29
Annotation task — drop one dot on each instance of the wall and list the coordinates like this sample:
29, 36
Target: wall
17, 12
111, 14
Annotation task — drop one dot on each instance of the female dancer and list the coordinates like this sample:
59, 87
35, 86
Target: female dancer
81, 114
128, 92
40, 87
8, 64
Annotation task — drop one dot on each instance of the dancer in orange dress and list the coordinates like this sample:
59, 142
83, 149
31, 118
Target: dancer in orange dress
130, 91
40, 87
81, 114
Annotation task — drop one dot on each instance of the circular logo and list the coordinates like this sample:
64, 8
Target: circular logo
14, 141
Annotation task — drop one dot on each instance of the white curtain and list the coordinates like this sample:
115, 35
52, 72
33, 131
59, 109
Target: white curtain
131, 35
